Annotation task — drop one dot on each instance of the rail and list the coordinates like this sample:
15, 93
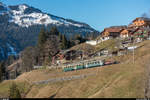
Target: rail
52, 80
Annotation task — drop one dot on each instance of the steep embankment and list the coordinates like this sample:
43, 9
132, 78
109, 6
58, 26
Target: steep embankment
120, 80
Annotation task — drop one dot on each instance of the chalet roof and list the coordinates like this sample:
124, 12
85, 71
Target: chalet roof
123, 30
113, 29
130, 29
122, 26
142, 18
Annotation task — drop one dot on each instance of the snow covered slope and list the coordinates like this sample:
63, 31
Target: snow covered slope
21, 24
24, 15
21, 18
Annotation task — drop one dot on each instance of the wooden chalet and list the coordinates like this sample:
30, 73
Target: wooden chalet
59, 56
140, 21
140, 33
63, 56
73, 54
127, 32
111, 32
124, 33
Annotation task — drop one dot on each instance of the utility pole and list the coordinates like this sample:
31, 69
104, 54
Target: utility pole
133, 51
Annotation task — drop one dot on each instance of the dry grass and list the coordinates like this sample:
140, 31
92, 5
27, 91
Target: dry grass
120, 80
109, 44
4, 89
23, 87
87, 48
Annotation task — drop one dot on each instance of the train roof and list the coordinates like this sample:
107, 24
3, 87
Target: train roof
81, 62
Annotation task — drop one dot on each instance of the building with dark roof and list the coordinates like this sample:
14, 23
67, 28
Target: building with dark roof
140, 21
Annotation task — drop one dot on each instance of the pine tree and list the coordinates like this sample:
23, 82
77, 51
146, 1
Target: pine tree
77, 36
64, 44
54, 31
14, 91
60, 37
41, 42
47, 33
42, 38
80, 38
0, 72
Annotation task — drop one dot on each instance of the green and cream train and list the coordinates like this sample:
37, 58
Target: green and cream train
83, 65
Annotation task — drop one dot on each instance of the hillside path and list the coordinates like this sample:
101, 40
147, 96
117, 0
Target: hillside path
52, 80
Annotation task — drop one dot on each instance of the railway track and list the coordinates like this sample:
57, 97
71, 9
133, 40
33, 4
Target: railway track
53, 80
78, 61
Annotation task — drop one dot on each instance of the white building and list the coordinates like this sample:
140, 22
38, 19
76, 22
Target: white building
92, 42
37, 67
132, 47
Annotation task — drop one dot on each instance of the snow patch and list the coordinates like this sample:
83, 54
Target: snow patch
132, 47
68, 23
25, 20
22, 7
92, 42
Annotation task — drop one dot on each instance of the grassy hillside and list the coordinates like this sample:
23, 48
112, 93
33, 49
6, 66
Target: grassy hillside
87, 48
109, 44
120, 80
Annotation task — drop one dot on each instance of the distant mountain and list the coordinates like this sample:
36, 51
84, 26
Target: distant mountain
20, 26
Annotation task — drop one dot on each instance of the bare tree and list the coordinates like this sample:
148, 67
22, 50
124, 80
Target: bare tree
51, 47
28, 57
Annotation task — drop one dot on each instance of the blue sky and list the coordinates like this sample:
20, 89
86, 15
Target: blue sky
99, 14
